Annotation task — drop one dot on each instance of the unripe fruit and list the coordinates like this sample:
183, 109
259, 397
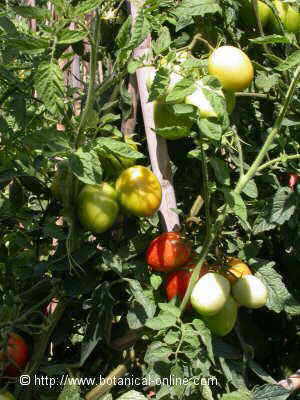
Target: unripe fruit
210, 294
97, 207
223, 322
249, 291
234, 269
232, 67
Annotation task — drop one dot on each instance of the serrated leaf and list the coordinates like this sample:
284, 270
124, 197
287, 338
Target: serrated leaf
197, 7
221, 170
279, 298
291, 62
86, 166
170, 308
118, 148
156, 281
205, 336
140, 31
162, 321
123, 35
32, 12
163, 42
270, 39
29, 44
283, 207
171, 337
159, 84
142, 297
182, 89
132, 395
85, 7
236, 203
210, 129
250, 189
270, 392
49, 84
157, 351
68, 36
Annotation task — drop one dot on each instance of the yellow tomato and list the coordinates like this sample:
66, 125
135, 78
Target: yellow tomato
232, 67
234, 269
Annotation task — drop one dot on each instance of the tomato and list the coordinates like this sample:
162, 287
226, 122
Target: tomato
139, 191
248, 15
232, 67
205, 109
234, 269
249, 291
6, 396
97, 207
223, 322
167, 252
210, 294
17, 352
178, 281
289, 16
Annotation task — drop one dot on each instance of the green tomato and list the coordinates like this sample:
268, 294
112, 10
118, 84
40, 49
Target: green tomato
97, 207
210, 294
249, 291
248, 16
292, 19
223, 322
139, 191
6, 396
232, 67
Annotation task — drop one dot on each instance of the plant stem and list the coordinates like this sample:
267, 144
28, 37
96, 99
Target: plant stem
261, 155
205, 187
281, 159
91, 89
240, 150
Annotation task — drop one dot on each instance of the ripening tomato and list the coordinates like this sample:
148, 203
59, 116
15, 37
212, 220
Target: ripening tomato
6, 396
210, 294
178, 281
167, 252
249, 291
139, 191
17, 352
289, 16
97, 207
234, 269
223, 322
232, 67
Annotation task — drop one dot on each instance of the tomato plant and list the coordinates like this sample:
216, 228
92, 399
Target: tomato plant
168, 251
223, 322
6, 396
234, 269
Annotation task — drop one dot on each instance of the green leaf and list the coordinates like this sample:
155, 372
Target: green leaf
132, 395
182, 89
156, 281
236, 203
291, 62
197, 7
29, 44
86, 167
33, 12
162, 321
210, 129
85, 7
221, 171
123, 35
260, 372
171, 337
59, 6
117, 148
251, 189
205, 336
49, 84
270, 392
68, 36
279, 298
157, 351
163, 42
144, 298
170, 308
238, 395
159, 84
140, 31
71, 391
283, 207
270, 39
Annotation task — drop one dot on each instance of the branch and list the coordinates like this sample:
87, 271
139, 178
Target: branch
157, 146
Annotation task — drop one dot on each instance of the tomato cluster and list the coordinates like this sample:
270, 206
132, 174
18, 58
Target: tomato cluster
219, 290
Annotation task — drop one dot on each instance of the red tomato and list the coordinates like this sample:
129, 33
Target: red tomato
17, 352
167, 252
177, 282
